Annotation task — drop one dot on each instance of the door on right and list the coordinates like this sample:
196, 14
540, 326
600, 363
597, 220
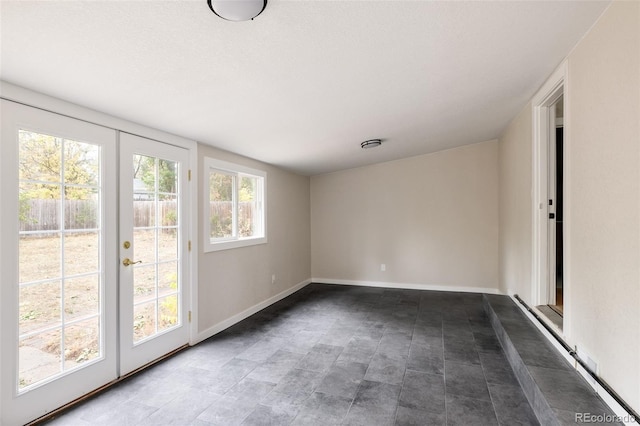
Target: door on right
556, 199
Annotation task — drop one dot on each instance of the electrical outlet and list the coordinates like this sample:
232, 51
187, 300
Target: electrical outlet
383, 267
273, 279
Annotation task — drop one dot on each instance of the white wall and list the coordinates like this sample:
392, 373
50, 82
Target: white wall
432, 219
602, 197
232, 281
515, 154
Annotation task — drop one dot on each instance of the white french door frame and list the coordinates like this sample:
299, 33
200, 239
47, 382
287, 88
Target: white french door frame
135, 355
21, 407
28, 98
544, 127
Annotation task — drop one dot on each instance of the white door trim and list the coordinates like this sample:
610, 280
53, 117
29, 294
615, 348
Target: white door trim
555, 86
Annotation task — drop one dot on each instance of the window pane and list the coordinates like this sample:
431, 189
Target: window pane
40, 157
144, 245
144, 321
168, 210
81, 163
81, 342
39, 257
168, 278
144, 191
39, 357
81, 297
221, 196
167, 176
168, 312
247, 206
167, 244
81, 253
144, 174
144, 283
40, 306
59, 267
39, 207
81, 208
144, 210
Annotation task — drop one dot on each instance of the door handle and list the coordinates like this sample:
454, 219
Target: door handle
127, 262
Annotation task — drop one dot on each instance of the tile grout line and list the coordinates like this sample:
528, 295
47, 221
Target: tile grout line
444, 372
362, 380
495, 412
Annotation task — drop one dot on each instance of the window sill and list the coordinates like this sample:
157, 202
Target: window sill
227, 245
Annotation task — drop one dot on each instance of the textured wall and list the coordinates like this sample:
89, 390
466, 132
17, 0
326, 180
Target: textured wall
432, 220
515, 206
602, 199
231, 281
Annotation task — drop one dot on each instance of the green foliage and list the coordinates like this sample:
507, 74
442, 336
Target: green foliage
247, 190
86, 354
170, 219
148, 168
24, 209
139, 322
221, 195
169, 306
221, 225
220, 187
46, 158
31, 315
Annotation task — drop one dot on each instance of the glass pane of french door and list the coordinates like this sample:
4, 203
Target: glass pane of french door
60, 258
56, 241
153, 297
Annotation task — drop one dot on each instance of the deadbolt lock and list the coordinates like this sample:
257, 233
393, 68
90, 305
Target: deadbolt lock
126, 244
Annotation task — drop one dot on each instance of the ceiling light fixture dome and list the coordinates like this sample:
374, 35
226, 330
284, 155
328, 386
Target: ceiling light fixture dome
237, 10
371, 143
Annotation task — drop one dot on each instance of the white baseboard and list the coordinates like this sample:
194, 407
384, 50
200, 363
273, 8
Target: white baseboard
409, 286
223, 325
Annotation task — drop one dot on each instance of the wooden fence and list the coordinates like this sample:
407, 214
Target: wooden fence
44, 215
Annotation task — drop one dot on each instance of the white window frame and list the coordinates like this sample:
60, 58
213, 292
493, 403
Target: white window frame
214, 165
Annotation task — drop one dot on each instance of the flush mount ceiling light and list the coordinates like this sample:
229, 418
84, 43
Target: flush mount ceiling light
371, 143
237, 10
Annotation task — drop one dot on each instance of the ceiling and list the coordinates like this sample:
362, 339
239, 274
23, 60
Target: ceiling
305, 82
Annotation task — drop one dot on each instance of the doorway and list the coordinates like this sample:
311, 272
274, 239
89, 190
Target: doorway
556, 202
549, 285
82, 304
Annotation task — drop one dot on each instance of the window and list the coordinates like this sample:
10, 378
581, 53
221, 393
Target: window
235, 214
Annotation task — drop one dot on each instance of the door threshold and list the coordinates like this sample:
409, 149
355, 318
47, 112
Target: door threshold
53, 414
550, 316
558, 309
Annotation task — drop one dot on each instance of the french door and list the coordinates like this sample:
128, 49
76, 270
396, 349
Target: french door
74, 316
153, 295
58, 246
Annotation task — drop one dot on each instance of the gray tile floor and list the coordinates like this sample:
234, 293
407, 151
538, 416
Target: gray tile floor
330, 355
